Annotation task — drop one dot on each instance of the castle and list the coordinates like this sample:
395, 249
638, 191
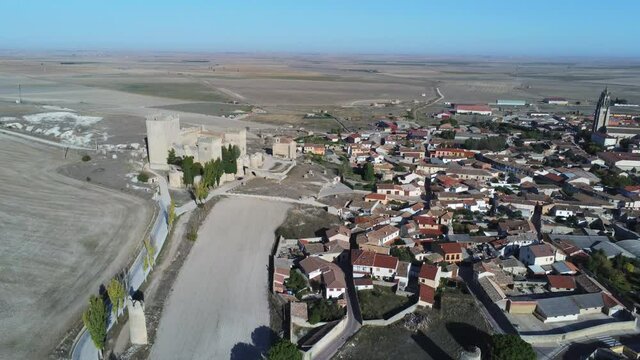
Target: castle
164, 133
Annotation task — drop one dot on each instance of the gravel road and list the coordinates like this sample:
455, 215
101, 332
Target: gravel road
218, 307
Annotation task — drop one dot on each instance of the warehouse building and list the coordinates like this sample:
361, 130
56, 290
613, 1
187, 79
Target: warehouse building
507, 102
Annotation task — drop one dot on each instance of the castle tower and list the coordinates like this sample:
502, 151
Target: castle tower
162, 132
601, 116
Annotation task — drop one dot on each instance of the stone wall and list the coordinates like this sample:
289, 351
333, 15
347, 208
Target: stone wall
332, 335
394, 318
604, 329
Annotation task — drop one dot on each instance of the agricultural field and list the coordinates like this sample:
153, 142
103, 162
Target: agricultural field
56, 245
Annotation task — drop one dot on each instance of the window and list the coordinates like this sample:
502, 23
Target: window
389, 271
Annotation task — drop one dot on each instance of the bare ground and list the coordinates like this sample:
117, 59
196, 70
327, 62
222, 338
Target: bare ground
61, 238
224, 283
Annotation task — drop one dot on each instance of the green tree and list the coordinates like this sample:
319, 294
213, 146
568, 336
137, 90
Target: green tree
368, 173
171, 216
402, 253
230, 157
284, 349
95, 320
510, 347
200, 191
117, 293
188, 170
143, 177
447, 134
296, 281
171, 157
150, 256
324, 310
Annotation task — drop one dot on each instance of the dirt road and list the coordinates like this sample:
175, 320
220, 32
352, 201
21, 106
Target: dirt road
218, 308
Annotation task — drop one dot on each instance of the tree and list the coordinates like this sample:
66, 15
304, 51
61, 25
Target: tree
171, 216
116, 293
187, 170
510, 347
368, 173
143, 177
171, 157
447, 134
150, 257
95, 320
402, 253
200, 191
230, 156
284, 349
296, 281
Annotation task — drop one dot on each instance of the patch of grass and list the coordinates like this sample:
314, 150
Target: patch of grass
380, 303
457, 325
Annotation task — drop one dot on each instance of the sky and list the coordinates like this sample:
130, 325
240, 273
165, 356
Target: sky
453, 27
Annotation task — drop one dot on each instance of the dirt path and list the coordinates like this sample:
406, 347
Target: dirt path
218, 307
60, 239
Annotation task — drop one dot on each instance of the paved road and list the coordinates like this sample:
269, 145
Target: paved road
354, 319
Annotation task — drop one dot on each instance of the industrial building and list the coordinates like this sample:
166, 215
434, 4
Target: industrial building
473, 109
556, 101
508, 102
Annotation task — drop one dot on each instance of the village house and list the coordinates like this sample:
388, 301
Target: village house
402, 274
383, 235
451, 252
384, 266
539, 254
315, 149
558, 283
430, 275
451, 154
338, 233
328, 274
427, 296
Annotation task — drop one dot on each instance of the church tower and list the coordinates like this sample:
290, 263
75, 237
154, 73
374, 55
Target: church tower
601, 117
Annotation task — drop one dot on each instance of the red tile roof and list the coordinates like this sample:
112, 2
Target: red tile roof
426, 220
450, 247
385, 261
375, 196
561, 281
428, 271
427, 294
362, 258
473, 107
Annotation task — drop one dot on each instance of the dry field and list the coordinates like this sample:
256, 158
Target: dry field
199, 87
61, 239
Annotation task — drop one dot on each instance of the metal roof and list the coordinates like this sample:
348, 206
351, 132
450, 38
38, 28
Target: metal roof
558, 306
632, 246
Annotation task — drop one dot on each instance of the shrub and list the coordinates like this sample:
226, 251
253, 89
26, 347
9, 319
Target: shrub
192, 235
143, 177
86, 158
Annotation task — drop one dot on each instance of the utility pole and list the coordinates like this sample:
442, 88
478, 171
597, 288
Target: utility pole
19, 94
